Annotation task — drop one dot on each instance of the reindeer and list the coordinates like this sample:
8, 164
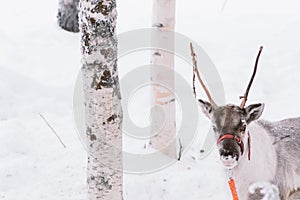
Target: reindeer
255, 150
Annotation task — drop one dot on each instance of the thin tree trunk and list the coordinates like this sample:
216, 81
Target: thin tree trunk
164, 140
102, 98
68, 15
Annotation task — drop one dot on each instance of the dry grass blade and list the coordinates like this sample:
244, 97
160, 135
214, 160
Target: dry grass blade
52, 129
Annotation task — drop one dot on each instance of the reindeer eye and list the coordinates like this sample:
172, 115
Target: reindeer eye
243, 128
214, 128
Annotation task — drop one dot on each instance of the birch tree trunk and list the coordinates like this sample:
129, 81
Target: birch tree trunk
102, 98
68, 15
164, 140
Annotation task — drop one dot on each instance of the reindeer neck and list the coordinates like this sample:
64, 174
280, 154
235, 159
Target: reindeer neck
262, 165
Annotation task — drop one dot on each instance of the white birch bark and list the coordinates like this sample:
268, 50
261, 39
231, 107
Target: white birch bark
164, 140
101, 98
67, 16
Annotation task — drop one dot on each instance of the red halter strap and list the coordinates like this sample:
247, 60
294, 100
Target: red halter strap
238, 141
235, 138
249, 146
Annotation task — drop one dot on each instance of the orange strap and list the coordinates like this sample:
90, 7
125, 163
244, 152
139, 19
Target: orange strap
233, 189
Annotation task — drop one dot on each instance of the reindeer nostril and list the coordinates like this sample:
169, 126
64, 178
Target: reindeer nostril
225, 153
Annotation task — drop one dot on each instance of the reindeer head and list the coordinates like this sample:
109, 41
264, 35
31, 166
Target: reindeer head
229, 122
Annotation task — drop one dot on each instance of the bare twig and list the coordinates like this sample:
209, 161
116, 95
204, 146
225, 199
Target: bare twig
199, 78
52, 129
194, 87
180, 150
245, 97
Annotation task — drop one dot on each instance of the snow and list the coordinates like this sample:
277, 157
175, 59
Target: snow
39, 64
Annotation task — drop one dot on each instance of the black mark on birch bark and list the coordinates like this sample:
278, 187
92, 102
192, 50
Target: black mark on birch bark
101, 182
105, 183
102, 8
93, 137
106, 79
112, 118
88, 131
107, 52
105, 28
157, 53
86, 40
158, 25
93, 21
95, 83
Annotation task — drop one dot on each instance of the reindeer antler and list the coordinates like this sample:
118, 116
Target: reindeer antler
213, 103
251, 80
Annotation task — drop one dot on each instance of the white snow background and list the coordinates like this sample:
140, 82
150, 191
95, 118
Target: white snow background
39, 63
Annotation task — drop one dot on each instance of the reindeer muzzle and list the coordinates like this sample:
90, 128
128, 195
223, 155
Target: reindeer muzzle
235, 138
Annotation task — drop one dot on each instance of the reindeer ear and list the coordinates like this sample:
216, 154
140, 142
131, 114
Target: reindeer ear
206, 108
254, 111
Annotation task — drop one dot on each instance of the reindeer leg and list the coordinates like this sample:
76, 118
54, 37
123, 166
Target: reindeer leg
263, 190
256, 195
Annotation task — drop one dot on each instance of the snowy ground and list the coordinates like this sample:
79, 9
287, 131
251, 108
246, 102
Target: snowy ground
39, 64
